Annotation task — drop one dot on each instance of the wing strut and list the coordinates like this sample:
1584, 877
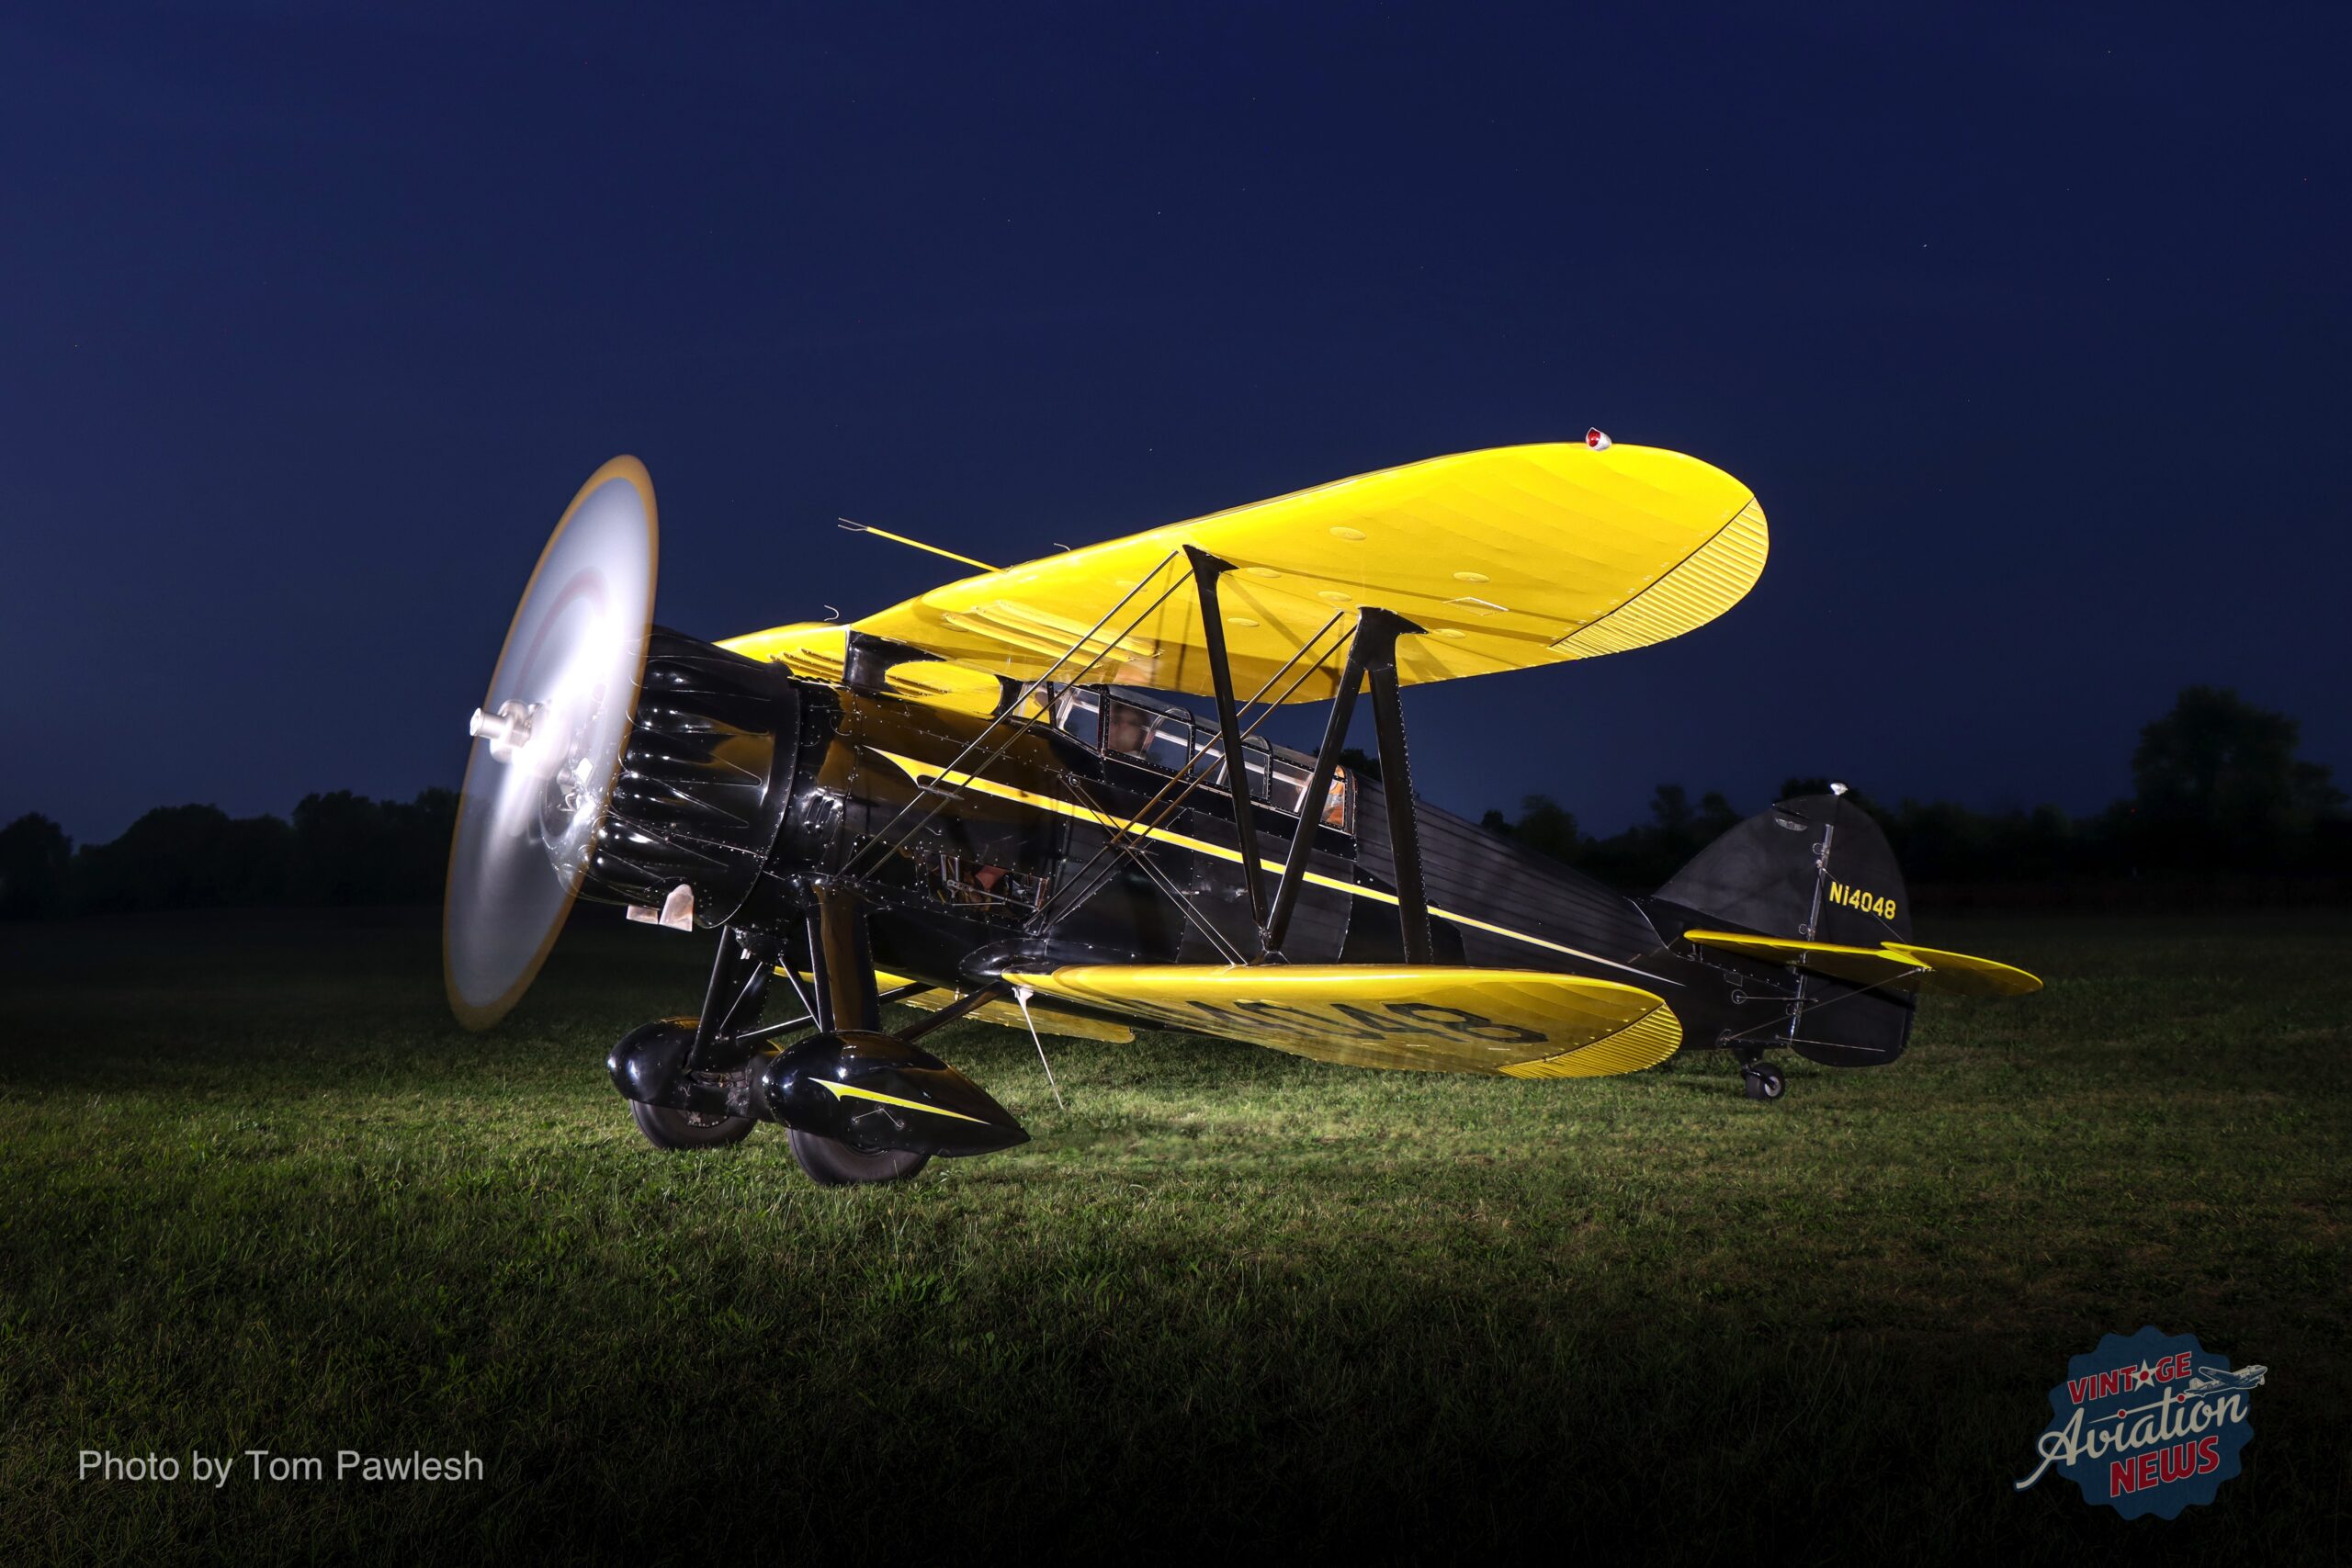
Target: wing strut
1373, 649
1396, 787
1206, 570
841, 964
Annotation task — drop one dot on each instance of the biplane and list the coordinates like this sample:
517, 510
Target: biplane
991, 802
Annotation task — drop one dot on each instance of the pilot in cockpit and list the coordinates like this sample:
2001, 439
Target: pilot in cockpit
1126, 730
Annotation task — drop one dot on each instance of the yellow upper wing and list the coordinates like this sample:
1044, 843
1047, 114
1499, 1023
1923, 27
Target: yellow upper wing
1508, 558
1518, 1022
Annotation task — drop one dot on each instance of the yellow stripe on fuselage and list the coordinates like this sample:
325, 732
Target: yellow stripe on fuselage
922, 773
853, 1091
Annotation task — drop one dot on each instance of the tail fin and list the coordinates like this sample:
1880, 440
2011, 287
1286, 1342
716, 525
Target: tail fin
1817, 869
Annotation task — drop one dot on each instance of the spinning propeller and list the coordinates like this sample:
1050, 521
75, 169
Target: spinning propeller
547, 743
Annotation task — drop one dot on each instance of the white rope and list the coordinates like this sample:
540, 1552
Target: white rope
1022, 994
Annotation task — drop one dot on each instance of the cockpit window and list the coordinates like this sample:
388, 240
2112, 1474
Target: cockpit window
1171, 743
1078, 714
1176, 743
1289, 786
1340, 806
1126, 731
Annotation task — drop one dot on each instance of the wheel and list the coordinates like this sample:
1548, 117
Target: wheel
832, 1163
668, 1129
1765, 1082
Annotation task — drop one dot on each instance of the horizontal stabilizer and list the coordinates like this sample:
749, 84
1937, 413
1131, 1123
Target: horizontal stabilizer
1518, 1022
1902, 965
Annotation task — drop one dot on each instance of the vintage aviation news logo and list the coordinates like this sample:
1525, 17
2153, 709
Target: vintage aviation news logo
2148, 1425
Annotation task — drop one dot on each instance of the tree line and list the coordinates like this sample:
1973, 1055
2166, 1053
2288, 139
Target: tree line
2218, 793
339, 849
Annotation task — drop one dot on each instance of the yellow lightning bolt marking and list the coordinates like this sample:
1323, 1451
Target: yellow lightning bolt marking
853, 1092
925, 772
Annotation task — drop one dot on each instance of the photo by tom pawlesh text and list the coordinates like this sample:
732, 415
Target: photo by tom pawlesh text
261, 1464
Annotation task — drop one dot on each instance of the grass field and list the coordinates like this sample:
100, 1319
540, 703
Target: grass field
257, 1191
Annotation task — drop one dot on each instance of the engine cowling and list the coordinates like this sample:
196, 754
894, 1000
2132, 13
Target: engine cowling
706, 784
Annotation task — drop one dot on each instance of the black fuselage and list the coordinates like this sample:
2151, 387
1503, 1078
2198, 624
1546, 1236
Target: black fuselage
1047, 851
968, 845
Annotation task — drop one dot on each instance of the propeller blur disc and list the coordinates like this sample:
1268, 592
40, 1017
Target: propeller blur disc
548, 739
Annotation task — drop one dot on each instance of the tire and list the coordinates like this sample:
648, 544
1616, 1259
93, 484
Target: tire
668, 1129
1769, 1083
829, 1162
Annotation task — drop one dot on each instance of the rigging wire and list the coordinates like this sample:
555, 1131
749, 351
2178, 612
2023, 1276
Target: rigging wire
1159, 878
1029, 690
1046, 919
856, 527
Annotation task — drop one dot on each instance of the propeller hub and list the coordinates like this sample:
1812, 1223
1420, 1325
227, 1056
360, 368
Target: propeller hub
549, 739
508, 730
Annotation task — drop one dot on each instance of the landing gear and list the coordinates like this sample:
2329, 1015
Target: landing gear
861, 1106
1763, 1080
668, 1129
829, 1162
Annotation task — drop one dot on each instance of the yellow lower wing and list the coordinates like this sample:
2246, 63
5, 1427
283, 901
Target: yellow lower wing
1520, 1022
1902, 965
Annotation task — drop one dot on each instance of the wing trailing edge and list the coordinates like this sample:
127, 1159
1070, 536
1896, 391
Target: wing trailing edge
1516, 1022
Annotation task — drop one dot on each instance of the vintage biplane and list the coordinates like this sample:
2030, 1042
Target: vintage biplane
983, 801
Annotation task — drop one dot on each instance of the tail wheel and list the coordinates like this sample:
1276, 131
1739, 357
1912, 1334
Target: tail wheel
668, 1129
832, 1163
1764, 1082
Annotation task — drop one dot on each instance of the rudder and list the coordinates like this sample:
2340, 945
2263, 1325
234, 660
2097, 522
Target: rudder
1815, 868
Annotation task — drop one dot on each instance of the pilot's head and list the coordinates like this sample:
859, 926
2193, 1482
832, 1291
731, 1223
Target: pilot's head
1123, 730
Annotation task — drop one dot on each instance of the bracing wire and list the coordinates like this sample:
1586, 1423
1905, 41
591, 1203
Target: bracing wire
1047, 917
1027, 692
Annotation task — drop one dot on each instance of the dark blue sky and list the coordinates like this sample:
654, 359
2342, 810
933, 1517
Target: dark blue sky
2030, 332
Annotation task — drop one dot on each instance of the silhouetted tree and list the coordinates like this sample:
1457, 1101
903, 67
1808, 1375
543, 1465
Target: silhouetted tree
35, 856
2216, 780
1548, 828
2219, 789
185, 857
351, 849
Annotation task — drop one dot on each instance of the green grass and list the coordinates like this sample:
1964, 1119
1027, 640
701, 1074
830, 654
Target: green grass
258, 1191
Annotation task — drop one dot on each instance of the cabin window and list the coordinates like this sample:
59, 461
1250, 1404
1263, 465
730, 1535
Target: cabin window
1177, 742
1126, 731
1078, 714
1147, 734
1339, 807
1257, 765
1212, 768
1289, 792
1289, 786
1169, 745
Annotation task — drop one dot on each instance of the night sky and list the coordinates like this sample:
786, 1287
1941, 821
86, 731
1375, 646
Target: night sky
2031, 335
